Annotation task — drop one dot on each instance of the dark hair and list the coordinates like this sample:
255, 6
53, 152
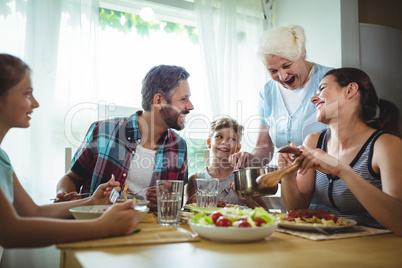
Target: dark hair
12, 71
161, 79
226, 122
389, 118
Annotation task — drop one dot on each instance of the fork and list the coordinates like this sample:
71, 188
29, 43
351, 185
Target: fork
80, 194
132, 193
113, 196
223, 194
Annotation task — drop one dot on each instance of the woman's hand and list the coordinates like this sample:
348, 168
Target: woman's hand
102, 193
285, 160
319, 160
119, 219
239, 160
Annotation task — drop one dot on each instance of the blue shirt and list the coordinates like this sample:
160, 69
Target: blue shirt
283, 127
6, 176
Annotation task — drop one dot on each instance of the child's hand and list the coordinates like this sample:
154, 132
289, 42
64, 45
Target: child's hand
102, 193
239, 160
246, 200
120, 219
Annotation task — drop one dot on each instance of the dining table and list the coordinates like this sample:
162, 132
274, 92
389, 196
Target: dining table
154, 245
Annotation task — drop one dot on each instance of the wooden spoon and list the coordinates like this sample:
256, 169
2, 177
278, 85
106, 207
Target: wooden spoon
272, 179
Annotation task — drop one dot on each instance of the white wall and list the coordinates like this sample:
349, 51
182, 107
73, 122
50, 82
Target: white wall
321, 20
335, 38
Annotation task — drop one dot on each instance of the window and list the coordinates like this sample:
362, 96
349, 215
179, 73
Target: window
131, 41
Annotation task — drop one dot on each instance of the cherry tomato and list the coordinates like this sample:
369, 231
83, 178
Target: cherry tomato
223, 222
242, 224
215, 215
221, 204
259, 221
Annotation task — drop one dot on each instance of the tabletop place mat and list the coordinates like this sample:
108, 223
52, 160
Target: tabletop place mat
353, 231
150, 233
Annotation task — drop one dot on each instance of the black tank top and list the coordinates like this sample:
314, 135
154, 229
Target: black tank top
334, 193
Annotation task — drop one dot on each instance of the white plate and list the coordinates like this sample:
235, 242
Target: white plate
312, 227
233, 234
92, 212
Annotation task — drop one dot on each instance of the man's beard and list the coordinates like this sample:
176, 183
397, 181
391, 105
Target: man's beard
171, 116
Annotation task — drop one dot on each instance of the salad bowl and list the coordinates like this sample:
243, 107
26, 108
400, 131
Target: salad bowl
233, 234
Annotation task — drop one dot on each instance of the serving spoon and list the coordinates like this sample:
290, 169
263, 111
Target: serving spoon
272, 179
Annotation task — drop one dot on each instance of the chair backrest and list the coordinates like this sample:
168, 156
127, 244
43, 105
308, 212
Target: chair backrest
206, 157
67, 159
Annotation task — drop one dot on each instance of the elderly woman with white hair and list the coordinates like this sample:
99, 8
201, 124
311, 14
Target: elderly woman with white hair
287, 115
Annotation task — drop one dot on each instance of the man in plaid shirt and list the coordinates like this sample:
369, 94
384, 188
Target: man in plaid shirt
140, 149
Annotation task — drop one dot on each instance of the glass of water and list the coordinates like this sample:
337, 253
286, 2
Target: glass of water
207, 192
169, 196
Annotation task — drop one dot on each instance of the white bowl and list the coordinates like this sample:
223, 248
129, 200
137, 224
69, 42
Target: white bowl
233, 234
92, 212
139, 202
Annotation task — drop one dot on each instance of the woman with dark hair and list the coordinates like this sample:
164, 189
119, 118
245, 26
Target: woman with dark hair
23, 223
355, 165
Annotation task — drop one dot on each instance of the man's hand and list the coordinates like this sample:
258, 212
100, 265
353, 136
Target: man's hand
62, 197
152, 198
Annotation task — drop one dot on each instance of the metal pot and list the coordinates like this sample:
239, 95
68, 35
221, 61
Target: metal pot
245, 184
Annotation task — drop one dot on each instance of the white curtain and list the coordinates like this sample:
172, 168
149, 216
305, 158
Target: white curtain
229, 31
57, 39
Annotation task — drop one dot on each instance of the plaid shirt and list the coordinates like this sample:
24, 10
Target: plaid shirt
110, 145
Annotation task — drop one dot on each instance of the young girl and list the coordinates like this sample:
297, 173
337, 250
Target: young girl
355, 165
23, 223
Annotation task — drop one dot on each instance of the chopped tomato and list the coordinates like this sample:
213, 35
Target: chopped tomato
223, 222
221, 204
215, 216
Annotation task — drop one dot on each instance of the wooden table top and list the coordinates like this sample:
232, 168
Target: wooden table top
280, 250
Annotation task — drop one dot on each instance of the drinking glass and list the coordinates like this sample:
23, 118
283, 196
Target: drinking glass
169, 198
207, 192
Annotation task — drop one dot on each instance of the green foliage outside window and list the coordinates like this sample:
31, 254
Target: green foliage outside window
126, 22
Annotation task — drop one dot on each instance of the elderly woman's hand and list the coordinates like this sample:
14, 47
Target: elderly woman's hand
240, 160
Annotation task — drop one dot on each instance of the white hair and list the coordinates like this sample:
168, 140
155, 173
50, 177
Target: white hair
286, 42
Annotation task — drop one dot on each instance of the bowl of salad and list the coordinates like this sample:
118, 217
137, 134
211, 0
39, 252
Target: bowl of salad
238, 226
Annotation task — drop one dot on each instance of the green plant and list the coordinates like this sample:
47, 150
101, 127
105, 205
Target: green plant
126, 22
